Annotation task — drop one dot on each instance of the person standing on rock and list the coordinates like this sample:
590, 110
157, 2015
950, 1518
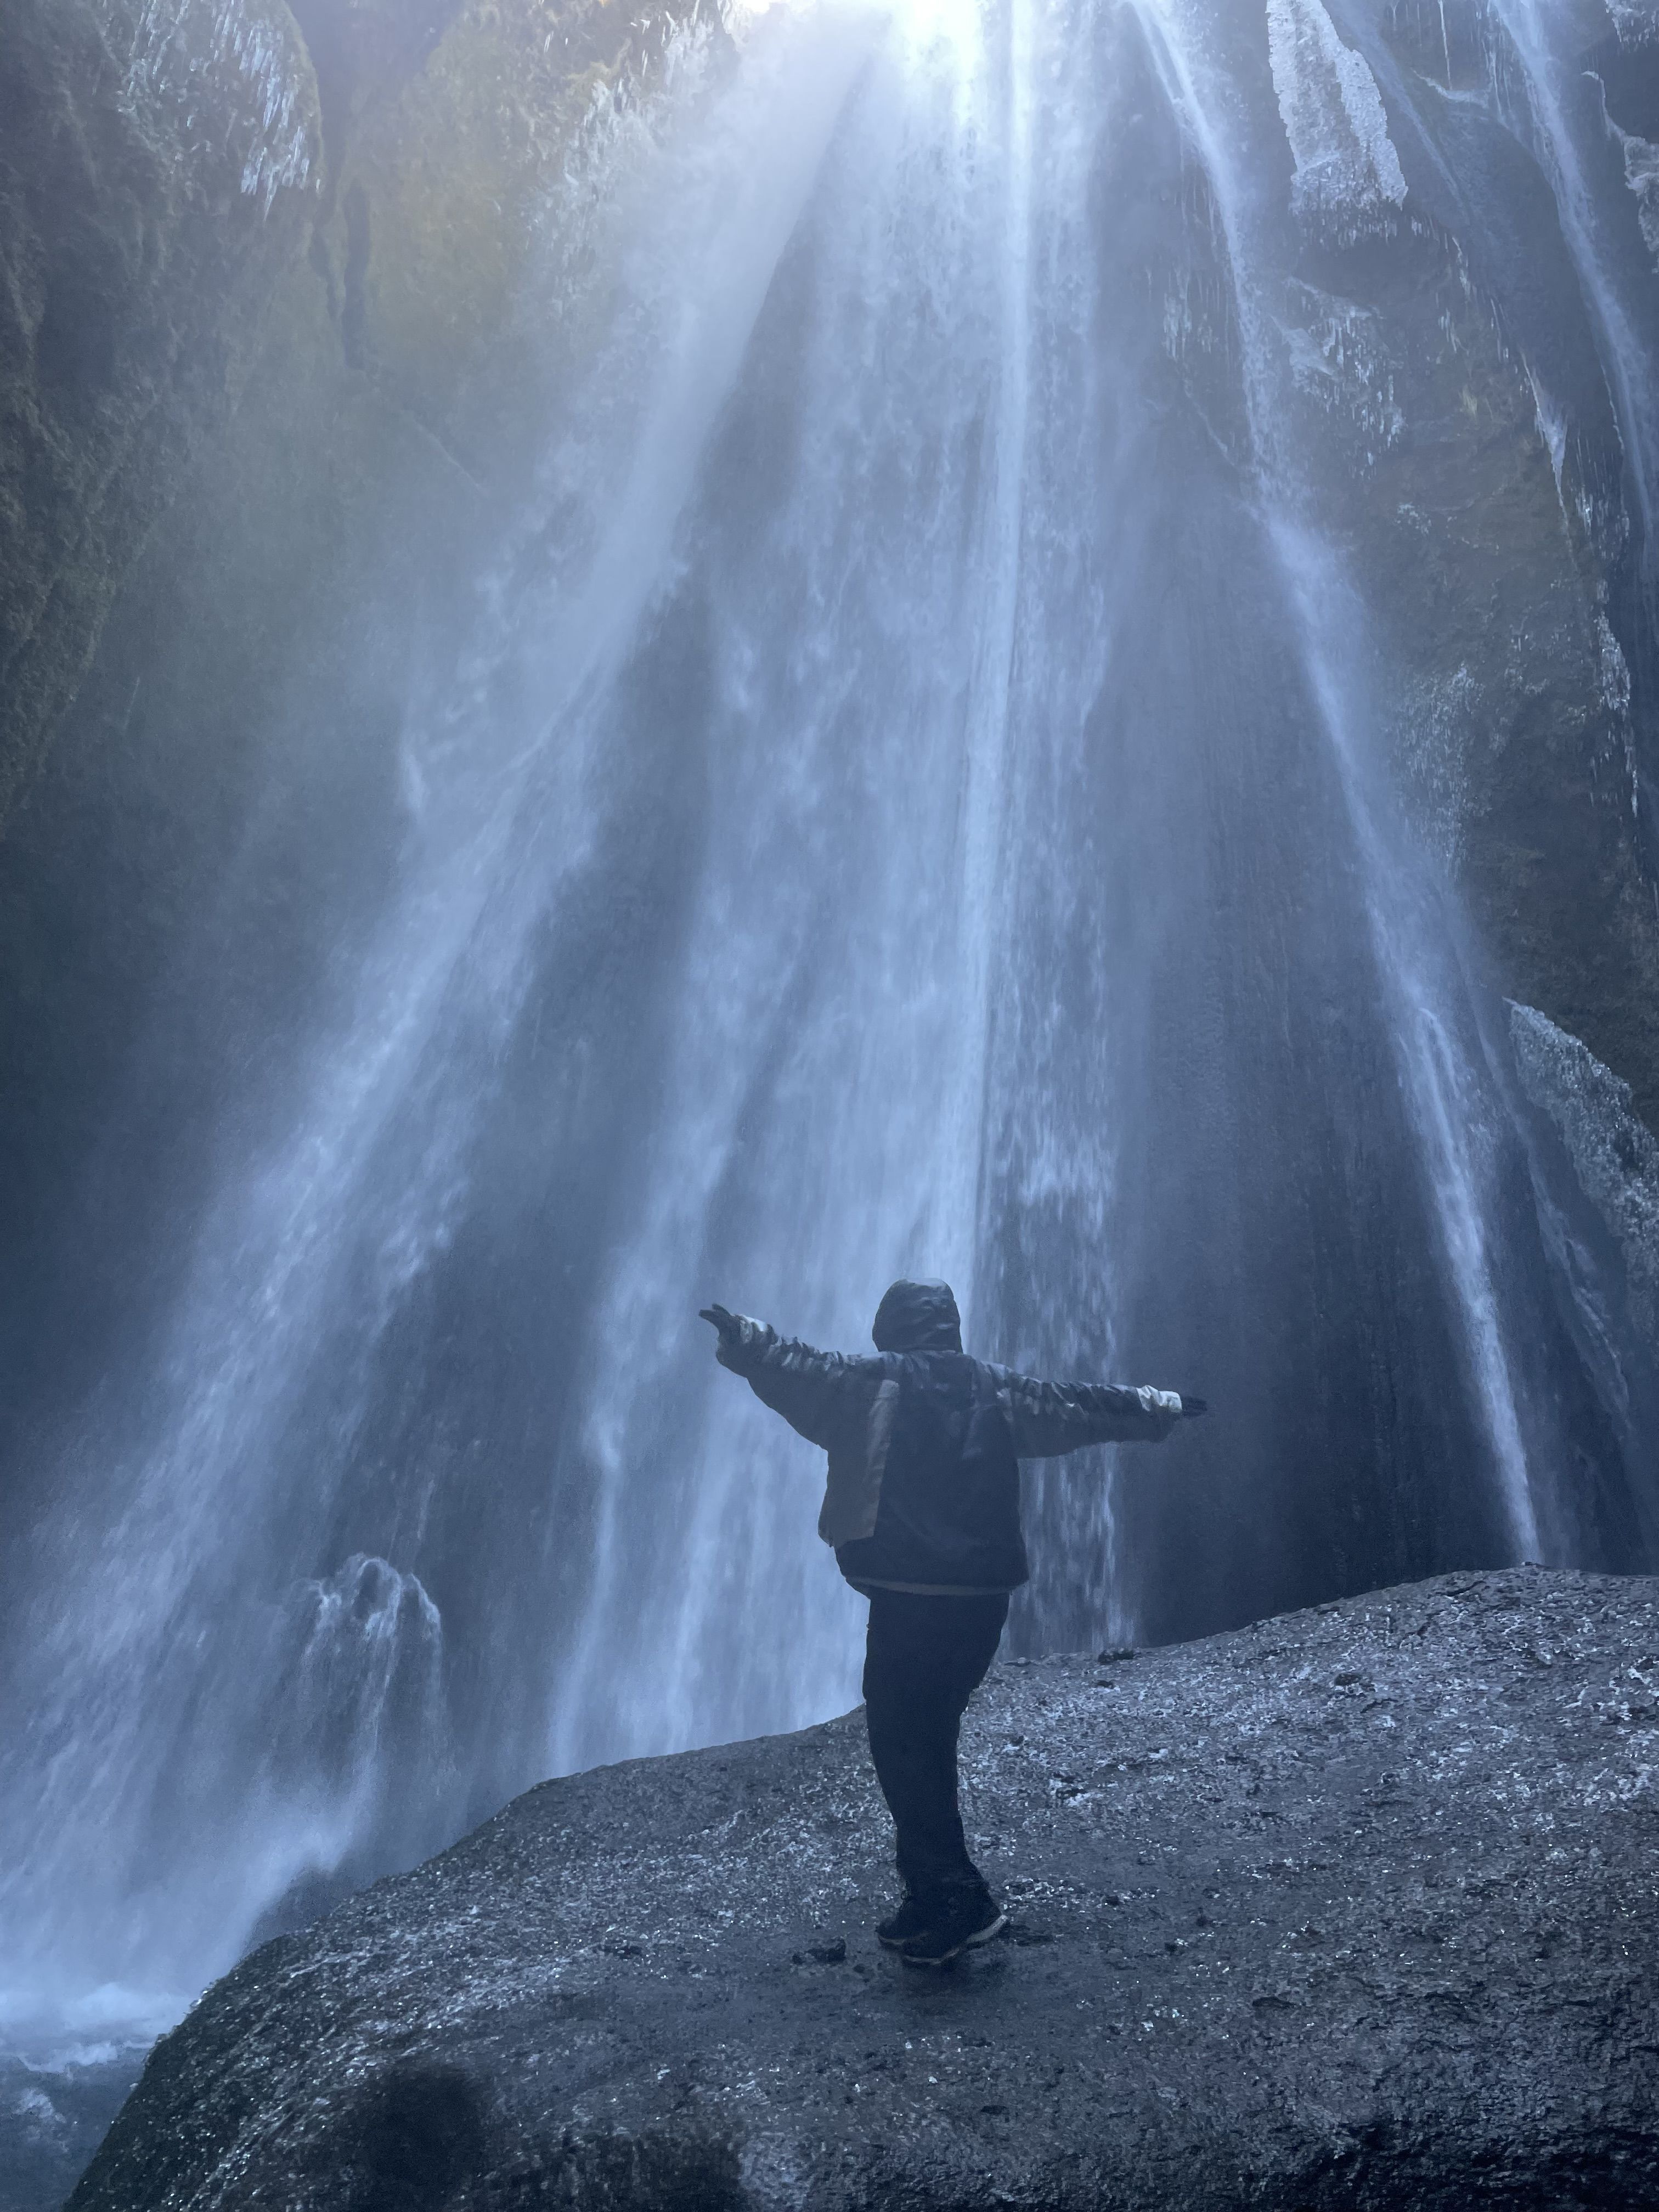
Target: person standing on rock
922, 1508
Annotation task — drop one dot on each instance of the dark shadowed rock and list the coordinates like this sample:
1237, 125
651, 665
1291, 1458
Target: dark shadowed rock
52, 2117
160, 169
1352, 1908
322, 209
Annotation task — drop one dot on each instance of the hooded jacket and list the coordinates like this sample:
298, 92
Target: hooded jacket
925, 1443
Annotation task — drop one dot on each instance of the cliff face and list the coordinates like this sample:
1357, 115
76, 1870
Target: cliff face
326, 220
1352, 1908
213, 588
162, 166
1441, 334
341, 258
166, 168
166, 172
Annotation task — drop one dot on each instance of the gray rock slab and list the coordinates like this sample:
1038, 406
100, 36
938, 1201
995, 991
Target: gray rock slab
1355, 1908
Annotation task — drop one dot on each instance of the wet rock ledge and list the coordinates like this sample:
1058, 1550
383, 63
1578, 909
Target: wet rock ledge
1355, 1908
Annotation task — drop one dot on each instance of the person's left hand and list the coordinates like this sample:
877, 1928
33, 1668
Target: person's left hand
741, 1341
1192, 1407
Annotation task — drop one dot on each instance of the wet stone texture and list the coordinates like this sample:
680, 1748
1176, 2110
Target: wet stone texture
1352, 1908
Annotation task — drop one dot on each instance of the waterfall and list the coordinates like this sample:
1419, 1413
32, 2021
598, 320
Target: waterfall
1565, 109
1348, 177
915, 800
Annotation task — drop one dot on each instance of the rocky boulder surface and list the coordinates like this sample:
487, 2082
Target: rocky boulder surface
1354, 1907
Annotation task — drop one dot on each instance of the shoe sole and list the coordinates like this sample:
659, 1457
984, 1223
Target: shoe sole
986, 1935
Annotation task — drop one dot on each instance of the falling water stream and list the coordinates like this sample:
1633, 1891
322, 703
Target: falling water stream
1565, 109
913, 801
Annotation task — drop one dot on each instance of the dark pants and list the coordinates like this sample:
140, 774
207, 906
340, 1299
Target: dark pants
925, 1658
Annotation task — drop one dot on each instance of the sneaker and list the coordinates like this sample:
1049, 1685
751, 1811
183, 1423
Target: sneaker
963, 1928
911, 1919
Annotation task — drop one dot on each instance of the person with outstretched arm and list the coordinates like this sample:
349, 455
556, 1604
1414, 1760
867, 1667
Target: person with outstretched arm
922, 1508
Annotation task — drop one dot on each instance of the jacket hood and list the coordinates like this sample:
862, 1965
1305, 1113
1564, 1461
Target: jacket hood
917, 1317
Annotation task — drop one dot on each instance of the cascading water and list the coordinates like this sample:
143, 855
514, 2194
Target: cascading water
1564, 107
1347, 173
915, 801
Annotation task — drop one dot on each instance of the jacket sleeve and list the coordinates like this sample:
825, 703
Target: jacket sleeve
1051, 1417
825, 1395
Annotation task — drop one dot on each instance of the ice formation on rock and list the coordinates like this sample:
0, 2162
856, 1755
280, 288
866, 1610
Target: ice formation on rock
1637, 21
255, 58
1348, 177
1641, 175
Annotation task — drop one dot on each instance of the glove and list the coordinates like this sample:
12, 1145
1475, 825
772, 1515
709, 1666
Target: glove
1192, 1407
741, 1341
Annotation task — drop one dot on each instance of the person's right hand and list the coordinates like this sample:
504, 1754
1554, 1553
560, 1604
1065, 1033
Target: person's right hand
1192, 1407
